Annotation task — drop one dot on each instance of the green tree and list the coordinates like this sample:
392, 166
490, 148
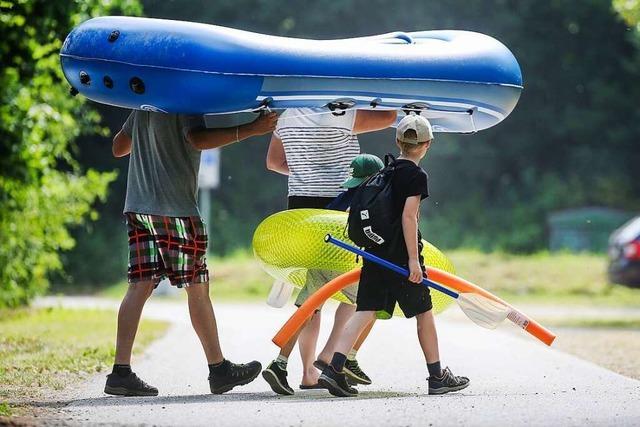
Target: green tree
629, 10
43, 189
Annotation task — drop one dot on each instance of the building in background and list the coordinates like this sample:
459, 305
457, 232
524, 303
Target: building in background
584, 229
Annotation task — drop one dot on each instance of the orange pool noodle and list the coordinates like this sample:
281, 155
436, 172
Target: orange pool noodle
463, 286
312, 303
442, 277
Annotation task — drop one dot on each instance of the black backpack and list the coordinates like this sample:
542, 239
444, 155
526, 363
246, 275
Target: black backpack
371, 221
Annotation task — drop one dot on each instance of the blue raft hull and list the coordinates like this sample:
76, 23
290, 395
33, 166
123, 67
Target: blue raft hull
462, 81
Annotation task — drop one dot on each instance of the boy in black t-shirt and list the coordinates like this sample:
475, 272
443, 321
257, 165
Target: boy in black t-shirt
380, 289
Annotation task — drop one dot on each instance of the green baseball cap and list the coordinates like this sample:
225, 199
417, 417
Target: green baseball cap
362, 167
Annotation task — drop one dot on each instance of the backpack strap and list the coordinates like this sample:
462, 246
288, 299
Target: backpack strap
389, 159
389, 167
391, 163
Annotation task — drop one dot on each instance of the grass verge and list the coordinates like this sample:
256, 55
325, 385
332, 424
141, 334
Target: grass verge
543, 278
5, 410
595, 323
46, 349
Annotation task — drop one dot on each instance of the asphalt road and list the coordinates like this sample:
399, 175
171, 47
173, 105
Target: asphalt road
514, 380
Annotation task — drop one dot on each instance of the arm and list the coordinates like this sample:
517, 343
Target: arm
121, 144
203, 139
369, 121
410, 233
276, 158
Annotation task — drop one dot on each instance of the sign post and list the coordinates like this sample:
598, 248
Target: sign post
208, 179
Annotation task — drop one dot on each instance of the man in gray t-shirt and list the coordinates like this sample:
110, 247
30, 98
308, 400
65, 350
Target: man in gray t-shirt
167, 237
163, 166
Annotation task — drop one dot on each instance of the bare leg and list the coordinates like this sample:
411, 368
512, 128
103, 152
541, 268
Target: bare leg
352, 331
203, 320
307, 344
428, 337
343, 313
363, 336
288, 347
129, 319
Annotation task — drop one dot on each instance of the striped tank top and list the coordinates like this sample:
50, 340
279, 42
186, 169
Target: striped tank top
319, 148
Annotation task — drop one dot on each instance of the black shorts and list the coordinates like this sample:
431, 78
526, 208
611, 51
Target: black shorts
380, 289
308, 202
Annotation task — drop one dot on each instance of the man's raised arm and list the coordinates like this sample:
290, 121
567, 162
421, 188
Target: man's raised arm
369, 121
204, 139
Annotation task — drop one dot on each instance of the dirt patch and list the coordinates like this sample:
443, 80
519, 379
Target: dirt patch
614, 349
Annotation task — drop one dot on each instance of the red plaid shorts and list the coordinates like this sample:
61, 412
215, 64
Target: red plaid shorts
163, 246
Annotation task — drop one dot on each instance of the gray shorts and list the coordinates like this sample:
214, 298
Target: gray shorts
317, 279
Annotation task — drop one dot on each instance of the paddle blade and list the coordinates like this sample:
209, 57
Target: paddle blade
482, 310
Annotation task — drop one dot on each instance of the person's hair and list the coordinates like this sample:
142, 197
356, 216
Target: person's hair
410, 134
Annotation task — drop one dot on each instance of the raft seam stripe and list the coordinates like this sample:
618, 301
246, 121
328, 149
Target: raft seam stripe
224, 73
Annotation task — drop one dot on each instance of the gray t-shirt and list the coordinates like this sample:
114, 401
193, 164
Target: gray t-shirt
163, 165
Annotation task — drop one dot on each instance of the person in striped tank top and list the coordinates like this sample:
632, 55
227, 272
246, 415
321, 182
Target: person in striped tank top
314, 148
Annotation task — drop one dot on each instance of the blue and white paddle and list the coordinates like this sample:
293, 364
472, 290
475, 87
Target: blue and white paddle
481, 310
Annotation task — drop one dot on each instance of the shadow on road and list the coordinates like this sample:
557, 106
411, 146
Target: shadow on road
302, 397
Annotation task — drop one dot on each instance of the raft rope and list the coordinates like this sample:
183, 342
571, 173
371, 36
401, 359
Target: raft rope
344, 110
468, 112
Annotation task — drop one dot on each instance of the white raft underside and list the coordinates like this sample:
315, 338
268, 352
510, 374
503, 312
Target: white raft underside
472, 110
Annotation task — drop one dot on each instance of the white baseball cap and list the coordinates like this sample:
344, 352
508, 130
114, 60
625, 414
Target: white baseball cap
417, 123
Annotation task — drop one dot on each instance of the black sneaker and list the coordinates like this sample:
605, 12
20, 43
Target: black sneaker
336, 383
235, 375
447, 382
355, 374
276, 376
130, 385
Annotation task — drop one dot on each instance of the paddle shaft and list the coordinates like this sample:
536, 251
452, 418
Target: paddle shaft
384, 263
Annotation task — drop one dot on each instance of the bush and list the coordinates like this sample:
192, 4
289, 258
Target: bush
43, 189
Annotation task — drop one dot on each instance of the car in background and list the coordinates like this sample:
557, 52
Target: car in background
624, 254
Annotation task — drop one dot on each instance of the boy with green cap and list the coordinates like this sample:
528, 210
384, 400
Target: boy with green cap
362, 167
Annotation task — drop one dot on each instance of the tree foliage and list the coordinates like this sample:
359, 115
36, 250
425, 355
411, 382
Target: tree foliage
43, 189
629, 10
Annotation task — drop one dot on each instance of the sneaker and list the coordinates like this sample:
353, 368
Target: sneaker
336, 383
276, 376
355, 374
237, 374
447, 382
130, 385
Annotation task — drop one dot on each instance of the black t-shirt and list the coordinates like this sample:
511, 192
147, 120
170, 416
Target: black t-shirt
408, 180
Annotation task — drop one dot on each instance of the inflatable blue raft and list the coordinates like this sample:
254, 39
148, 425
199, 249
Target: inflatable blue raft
462, 81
